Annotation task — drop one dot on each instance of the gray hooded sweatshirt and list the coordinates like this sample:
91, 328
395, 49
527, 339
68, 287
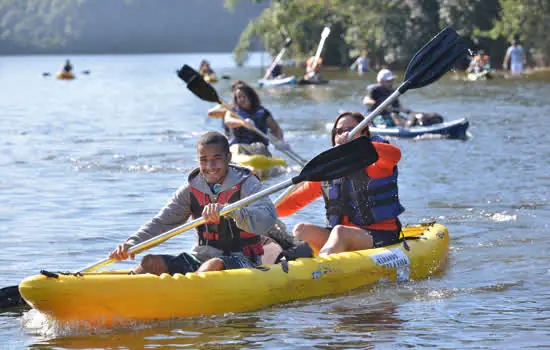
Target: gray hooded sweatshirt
258, 217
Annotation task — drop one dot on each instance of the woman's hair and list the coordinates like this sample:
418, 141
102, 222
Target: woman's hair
237, 83
250, 93
358, 117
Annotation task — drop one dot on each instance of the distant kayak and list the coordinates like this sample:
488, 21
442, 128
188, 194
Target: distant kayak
485, 75
312, 82
65, 75
261, 165
455, 129
277, 82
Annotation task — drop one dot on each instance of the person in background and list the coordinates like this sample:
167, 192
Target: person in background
229, 242
515, 55
480, 63
205, 69
276, 72
377, 93
247, 105
313, 70
362, 208
207, 72
67, 67
361, 63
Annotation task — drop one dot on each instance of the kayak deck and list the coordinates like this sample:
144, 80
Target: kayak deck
114, 297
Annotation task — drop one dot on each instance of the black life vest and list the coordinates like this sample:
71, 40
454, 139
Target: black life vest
364, 200
245, 135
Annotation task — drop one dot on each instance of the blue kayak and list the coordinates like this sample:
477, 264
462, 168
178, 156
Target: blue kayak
455, 129
276, 82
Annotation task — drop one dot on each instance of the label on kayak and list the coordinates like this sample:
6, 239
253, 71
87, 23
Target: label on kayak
392, 258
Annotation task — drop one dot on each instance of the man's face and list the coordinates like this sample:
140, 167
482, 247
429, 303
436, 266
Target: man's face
213, 162
387, 84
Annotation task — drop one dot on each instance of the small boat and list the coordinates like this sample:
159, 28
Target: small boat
484, 75
261, 165
455, 129
65, 75
277, 81
117, 297
312, 82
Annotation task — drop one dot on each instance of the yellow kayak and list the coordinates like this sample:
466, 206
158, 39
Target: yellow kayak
65, 75
261, 165
115, 297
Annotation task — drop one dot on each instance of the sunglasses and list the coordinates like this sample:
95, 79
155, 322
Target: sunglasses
340, 131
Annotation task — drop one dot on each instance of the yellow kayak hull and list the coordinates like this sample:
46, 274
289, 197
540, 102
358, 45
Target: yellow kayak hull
115, 297
65, 76
260, 164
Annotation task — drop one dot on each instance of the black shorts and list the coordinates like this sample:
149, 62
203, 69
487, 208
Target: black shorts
182, 263
186, 262
238, 261
381, 238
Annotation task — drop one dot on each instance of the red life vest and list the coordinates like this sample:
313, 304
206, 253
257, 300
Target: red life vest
224, 235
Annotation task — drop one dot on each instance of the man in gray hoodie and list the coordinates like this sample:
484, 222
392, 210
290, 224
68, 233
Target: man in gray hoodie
229, 242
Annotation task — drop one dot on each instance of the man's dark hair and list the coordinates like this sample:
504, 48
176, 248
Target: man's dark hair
214, 138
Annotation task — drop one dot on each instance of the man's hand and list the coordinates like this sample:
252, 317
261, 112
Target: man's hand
211, 212
249, 123
121, 252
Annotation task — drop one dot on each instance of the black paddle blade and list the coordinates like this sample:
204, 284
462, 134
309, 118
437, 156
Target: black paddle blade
434, 59
339, 161
197, 85
10, 297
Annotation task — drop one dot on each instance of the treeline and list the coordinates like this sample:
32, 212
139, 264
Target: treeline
393, 30
121, 26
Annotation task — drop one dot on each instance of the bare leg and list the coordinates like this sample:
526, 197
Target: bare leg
346, 238
315, 235
151, 264
213, 264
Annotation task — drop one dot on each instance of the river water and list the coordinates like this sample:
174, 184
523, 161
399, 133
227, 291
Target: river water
84, 163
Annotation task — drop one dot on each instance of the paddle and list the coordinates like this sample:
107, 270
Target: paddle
205, 91
277, 58
429, 64
324, 35
328, 165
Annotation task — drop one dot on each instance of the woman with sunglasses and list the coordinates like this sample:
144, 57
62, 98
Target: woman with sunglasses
362, 208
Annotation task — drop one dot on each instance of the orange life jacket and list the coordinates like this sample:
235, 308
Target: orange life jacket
224, 235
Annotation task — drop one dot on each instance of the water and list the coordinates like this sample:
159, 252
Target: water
84, 163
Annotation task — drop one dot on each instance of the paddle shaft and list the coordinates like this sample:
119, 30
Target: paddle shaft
376, 111
275, 62
290, 153
287, 193
319, 49
192, 224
